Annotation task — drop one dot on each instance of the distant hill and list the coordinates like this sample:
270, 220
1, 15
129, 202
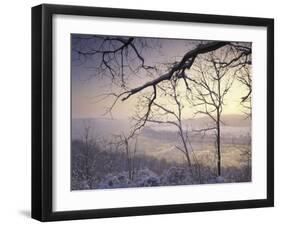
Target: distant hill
228, 120
233, 124
99, 126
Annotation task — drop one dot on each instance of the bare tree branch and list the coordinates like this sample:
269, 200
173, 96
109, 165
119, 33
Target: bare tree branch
185, 63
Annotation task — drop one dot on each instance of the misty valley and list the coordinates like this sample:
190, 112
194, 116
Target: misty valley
102, 158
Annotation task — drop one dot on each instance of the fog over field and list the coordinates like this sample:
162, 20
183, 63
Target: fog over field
233, 127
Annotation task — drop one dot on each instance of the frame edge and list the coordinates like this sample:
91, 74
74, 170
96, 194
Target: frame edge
270, 112
36, 156
41, 179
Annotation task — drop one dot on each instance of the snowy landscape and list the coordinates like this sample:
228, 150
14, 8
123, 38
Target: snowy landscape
159, 112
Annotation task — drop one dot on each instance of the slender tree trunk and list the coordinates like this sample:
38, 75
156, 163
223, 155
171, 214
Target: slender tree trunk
88, 177
185, 147
129, 164
218, 142
218, 124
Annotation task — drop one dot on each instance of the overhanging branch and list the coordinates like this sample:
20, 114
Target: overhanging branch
185, 63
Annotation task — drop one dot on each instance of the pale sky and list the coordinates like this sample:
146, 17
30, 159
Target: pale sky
87, 86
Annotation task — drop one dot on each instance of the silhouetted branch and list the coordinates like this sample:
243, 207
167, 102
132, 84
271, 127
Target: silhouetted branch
185, 63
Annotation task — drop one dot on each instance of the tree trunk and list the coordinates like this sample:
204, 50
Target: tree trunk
218, 143
185, 147
129, 164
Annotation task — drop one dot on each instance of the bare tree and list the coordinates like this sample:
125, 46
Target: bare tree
89, 150
130, 152
241, 61
170, 115
246, 155
211, 83
245, 78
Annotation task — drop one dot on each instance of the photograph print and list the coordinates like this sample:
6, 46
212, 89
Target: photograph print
152, 112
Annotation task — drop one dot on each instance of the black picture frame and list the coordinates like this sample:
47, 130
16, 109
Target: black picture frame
42, 107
